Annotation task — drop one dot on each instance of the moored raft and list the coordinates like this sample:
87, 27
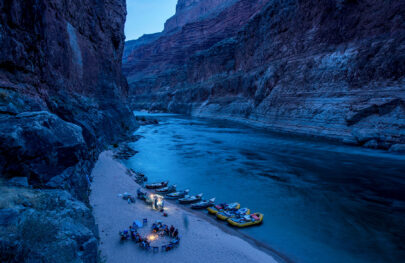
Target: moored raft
203, 204
247, 220
167, 189
190, 199
157, 185
221, 207
177, 195
224, 215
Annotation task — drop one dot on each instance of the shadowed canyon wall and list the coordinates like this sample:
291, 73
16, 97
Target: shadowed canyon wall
62, 100
330, 68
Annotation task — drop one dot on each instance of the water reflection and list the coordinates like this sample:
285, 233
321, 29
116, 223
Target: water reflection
322, 202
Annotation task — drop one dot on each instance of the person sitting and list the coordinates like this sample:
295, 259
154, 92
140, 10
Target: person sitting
124, 234
175, 241
132, 229
134, 225
143, 244
169, 247
166, 230
133, 233
175, 233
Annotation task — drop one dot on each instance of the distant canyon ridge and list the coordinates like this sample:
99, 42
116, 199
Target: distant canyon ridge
329, 68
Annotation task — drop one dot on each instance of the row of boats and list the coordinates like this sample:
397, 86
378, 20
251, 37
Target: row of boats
232, 213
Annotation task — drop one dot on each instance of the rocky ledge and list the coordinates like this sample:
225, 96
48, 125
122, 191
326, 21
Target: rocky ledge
45, 226
62, 100
331, 68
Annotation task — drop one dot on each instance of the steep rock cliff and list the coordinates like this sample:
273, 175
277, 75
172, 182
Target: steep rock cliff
175, 45
62, 99
330, 68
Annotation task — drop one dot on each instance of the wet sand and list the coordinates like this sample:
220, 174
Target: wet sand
201, 241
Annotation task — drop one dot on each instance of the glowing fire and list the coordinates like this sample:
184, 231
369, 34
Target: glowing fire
152, 237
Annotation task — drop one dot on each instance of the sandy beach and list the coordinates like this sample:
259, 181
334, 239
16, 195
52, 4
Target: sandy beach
201, 241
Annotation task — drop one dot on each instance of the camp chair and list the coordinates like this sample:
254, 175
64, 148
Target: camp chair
155, 249
164, 248
175, 241
145, 221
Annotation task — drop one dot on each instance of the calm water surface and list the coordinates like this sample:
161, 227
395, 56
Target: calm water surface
322, 202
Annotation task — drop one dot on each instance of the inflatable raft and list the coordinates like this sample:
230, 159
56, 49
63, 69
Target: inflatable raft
177, 195
190, 199
221, 207
167, 189
224, 215
157, 185
247, 220
203, 204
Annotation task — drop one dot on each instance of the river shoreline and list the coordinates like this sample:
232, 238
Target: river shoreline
279, 257
339, 139
304, 187
201, 241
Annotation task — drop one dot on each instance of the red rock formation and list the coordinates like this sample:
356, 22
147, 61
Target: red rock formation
65, 57
331, 68
62, 100
174, 48
189, 11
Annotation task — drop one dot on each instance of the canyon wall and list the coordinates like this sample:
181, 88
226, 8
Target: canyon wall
62, 100
330, 68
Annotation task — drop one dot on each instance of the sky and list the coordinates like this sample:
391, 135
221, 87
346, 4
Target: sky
147, 16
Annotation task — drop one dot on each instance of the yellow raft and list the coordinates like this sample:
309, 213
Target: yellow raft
218, 208
241, 222
224, 215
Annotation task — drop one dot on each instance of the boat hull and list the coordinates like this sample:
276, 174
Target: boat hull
165, 191
224, 217
156, 186
184, 202
232, 221
213, 210
175, 197
201, 206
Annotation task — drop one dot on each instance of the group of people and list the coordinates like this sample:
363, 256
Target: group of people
157, 227
132, 234
171, 232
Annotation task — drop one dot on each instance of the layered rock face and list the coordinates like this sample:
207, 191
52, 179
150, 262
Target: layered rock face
188, 11
331, 68
173, 48
62, 99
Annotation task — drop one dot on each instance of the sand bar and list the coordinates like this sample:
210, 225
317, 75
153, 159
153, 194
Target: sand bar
201, 241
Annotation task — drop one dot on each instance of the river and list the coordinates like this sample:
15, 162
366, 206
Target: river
323, 202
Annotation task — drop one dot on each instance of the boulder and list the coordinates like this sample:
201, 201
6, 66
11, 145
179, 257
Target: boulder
400, 148
8, 216
363, 135
372, 144
39, 146
56, 226
18, 181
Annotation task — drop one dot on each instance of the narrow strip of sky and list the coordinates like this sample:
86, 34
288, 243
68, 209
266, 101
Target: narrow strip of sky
147, 16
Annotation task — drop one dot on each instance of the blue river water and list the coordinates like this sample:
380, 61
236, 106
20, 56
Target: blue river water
323, 202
